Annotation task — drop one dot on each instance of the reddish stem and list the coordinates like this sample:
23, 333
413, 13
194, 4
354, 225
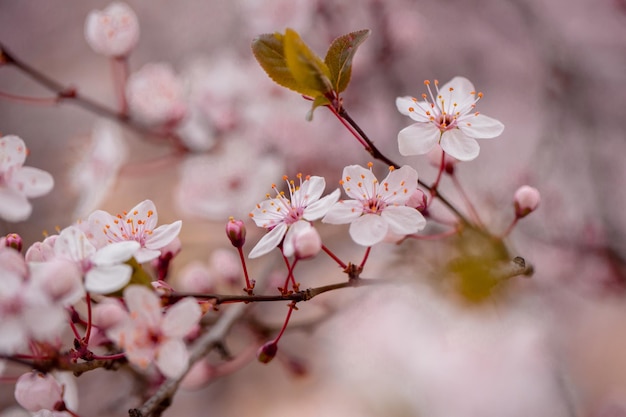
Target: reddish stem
282, 330
109, 357
89, 323
367, 254
40, 101
335, 258
249, 285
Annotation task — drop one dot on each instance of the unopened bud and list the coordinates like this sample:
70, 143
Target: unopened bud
418, 200
112, 32
307, 242
266, 353
236, 232
526, 200
12, 240
36, 391
435, 155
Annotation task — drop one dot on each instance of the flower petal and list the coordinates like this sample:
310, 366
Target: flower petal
481, 127
455, 143
146, 212
172, 358
311, 190
403, 220
181, 318
116, 253
144, 255
269, 241
163, 235
418, 139
144, 303
344, 211
12, 152
73, 244
288, 244
320, 207
33, 182
399, 185
14, 207
107, 279
368, 229
358, 182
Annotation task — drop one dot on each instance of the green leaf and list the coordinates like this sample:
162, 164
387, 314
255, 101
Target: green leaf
318, 102
339, 58
307, 69
269, 51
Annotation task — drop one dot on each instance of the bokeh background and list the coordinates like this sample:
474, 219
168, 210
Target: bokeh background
554, 72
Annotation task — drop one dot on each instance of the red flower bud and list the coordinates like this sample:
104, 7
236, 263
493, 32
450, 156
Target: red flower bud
236, 232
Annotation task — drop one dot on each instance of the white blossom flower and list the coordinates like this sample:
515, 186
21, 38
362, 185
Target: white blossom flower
280, 214
149, 336
17, 182
447, 117
114, 31
104, 269
377, 208
139, 225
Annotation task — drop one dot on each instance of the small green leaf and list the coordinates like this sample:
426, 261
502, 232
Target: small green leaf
339, 58
318, 102
269, 51
307, 69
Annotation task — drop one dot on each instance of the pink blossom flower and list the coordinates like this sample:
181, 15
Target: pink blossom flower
36, 391
449, 118
377, 208
149, 336
280, 214
156, 95
306, 241
104, 269
139, 224
17, 182
114, 31
526, 200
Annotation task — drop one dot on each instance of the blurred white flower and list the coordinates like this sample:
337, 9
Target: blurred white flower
17, 182
114, 31
447, 117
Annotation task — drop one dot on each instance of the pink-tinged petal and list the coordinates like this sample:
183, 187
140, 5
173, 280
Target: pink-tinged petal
73, 244
141, 356
144, 255
462, 87
418, 139
358, 182
144, 303
269, 241
14, 207
319, 208
311, 190
163, 235
32, 182
14, 337
116, 253
368, 230
416, 110
399, 185
481, 127
403, 220
144, 212
455, 143
181, 318
266, 214
344, 211
12, 152
103, 228
172, 358
288, 243
404, 103
107, 279
45, 322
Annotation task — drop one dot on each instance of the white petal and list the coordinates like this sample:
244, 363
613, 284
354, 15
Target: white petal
311, 190
14, 207
462, 87
116, 253
399, 185
163, 235
144, 303
481, 127
107, 279
455, 143
403, 220
358, 182
33, 182
13, 335
146, 212
144, 255
319, 208
288, 243
12, 152
368, 230
269, 241
344, 211
172, 358
418, 139
73, 244
181, 318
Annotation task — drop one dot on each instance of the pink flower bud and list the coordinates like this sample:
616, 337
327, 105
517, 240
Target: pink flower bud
109, 313
418, 200
36, 391
526, 200
112, 32
236, 232
434, 157
12, 240
266, 353
307, 242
